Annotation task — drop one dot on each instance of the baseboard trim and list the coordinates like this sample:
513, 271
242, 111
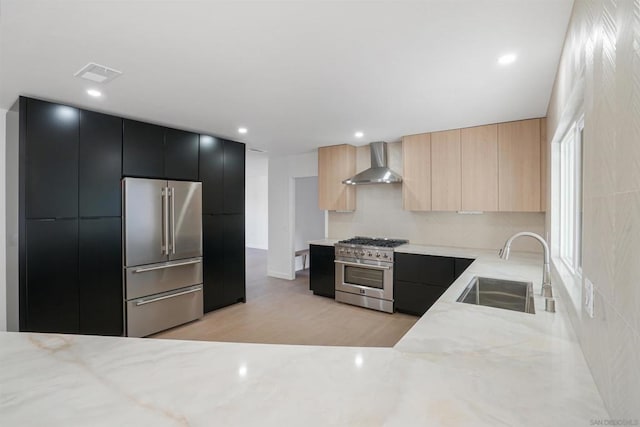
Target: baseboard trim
279, 275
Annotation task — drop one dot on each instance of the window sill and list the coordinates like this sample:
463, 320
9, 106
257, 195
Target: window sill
572, 282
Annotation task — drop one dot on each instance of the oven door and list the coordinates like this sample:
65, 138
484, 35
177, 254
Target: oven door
365, 279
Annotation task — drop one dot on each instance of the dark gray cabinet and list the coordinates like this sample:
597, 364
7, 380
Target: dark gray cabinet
223, 260
419, 280
142, 149
222, 172
100, 276
322, 270
51, 160
51, 276
181, 155
100, 165
67, 183
151, 151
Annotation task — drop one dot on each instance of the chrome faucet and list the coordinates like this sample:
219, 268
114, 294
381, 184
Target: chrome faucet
547, 293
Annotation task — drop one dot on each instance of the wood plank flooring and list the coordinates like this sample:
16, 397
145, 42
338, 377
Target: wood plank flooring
286, 312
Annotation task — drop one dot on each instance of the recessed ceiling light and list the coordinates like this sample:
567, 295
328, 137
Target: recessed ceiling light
94, 93
359, 134
242, 130
507, 59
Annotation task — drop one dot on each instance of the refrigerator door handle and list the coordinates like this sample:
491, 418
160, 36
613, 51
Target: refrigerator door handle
165, 220
173, 220
177, 294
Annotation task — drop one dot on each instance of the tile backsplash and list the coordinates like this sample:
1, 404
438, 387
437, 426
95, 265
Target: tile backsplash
599, 75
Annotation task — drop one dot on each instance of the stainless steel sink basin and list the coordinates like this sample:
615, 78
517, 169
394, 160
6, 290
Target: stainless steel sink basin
499, 293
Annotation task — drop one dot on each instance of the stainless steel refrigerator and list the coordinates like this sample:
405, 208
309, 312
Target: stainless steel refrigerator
162, 240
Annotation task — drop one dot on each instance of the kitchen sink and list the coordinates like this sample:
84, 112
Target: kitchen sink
499, 293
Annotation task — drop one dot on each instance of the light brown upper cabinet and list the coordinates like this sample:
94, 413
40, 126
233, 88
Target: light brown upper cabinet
335, 164
416, 179
480, 168
519, 166
544, 164
445, 171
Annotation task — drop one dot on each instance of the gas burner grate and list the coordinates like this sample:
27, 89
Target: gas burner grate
373, 241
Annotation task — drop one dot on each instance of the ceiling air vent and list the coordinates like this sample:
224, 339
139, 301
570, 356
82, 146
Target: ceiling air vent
97, 73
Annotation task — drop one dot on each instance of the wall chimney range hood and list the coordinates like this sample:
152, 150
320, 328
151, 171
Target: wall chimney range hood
378, 173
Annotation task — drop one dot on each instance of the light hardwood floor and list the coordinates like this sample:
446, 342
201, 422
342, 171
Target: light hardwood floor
286, 312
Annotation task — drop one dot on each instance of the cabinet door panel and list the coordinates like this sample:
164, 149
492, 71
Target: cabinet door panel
446, 185
213, 261
415, 298
416, 177
480, 168
461, 265
322, 270
234, 176
142, 149
428, 269
52, 276
335, 164
100, 166
233, 272
100, 276
211, 174
519, 166
51, 160
181, 155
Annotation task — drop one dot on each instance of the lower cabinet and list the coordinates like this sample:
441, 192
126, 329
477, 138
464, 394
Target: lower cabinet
322, 270
50, 287
223, 260
100, 276
415, 298
419, 280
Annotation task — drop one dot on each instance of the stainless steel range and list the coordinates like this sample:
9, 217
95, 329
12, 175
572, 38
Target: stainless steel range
364, 272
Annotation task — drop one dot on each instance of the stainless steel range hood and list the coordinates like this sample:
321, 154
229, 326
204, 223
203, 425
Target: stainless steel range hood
378, 173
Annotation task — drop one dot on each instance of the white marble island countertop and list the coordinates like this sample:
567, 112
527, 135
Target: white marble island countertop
460, 364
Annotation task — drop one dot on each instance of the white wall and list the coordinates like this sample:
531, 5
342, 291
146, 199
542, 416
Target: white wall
309, 219
599, 75
379, 213
3, 259
282, 171
257, 200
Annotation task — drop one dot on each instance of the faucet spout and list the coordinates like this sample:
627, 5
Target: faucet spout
547, 291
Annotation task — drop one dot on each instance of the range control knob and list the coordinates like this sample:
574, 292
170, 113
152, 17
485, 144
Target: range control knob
348, 251
369, 253
386, 256
377, 254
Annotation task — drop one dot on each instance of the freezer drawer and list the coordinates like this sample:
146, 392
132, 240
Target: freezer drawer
156, 313
152, 279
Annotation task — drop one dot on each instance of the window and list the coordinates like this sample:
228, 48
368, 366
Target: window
570, 215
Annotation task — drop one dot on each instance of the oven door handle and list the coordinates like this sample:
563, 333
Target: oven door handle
356, 264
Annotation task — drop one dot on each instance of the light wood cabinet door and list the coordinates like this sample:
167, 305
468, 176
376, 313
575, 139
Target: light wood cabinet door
480, 168
445, 171
519, 166
544, 165
335, 164
416, 180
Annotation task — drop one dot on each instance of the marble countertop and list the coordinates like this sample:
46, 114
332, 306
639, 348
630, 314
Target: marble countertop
460, 364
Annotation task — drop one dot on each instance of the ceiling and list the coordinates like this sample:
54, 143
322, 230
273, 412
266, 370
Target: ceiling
297, 74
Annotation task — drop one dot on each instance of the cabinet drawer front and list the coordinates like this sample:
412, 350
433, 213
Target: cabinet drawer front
415, 298
146, 316
429, 269
165, 276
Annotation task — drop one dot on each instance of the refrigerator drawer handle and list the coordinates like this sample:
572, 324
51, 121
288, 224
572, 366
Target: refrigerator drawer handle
355, 264
149, 301
162, 267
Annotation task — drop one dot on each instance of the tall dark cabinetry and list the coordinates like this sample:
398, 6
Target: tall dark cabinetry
222, 172
152, 151
69, 219
64, 251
